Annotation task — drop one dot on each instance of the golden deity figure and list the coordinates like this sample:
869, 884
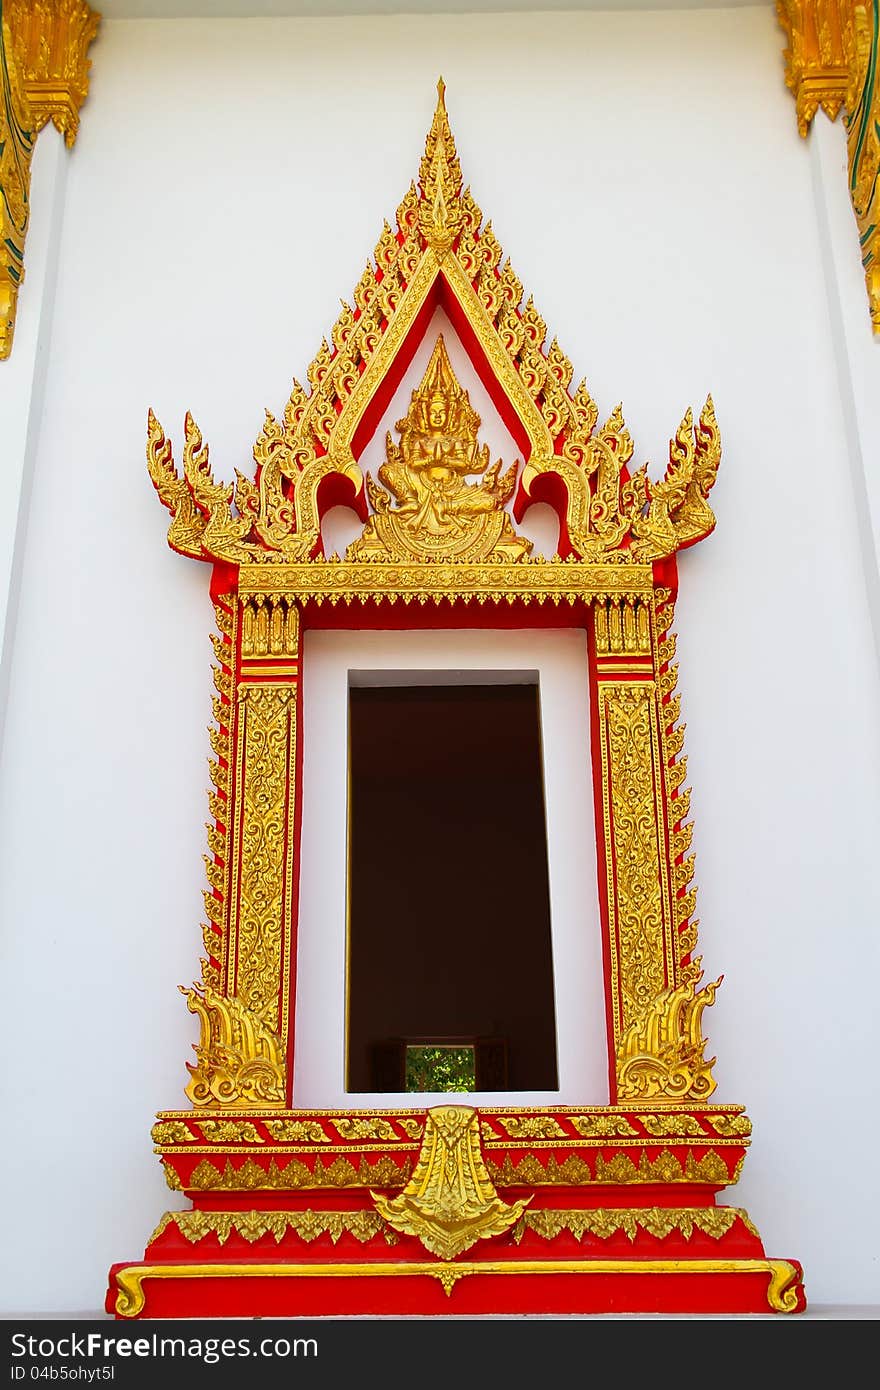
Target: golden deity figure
439, 515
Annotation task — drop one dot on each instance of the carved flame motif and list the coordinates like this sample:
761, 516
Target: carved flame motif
660, 1056
450, 1201
239, 1060
438, 514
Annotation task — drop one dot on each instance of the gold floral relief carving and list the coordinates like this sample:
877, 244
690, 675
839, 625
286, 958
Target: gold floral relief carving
413, 1129
633, 848
294, 1175
307, 1226
297, 1131
531, 1127
167, 1132
531, 580
659, 1222
575, 1170
603, 1126
268, 716
172, 1177
665, 1126
367, 1126
230, 1132
731, 1126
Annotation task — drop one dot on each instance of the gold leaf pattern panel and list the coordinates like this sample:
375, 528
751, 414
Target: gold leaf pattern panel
634, 849
265, 775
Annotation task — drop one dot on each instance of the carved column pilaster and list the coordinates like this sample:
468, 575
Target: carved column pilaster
244, 1002
44, 69
633, 833
655, 1011
832, 62
263, 818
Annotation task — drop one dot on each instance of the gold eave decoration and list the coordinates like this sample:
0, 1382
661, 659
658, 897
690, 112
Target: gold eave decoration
462, 546
44, 68
832, 62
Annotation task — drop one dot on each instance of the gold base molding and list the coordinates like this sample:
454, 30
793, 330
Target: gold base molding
782, 1289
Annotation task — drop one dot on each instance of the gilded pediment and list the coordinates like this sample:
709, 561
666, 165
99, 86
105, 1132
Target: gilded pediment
440, 254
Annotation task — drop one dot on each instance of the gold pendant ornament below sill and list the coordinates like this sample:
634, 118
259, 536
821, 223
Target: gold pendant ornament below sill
450, 1202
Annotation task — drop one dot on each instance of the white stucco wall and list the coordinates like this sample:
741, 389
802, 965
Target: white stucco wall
644, 173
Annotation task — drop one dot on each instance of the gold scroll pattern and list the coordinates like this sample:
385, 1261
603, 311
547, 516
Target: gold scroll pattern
633, 848
44, 69
832, 61
215, 932
267, 718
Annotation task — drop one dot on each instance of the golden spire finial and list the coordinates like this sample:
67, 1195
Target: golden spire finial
440, 177
439, 378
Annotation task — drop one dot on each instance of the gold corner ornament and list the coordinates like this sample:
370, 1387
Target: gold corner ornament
239, 1060
44, 68
450, 1201
422, 510
832, 62
660, 1056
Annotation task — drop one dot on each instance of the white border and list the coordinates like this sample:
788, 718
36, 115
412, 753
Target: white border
330, 661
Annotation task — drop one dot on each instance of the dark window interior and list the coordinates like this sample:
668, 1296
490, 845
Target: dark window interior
449, 915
